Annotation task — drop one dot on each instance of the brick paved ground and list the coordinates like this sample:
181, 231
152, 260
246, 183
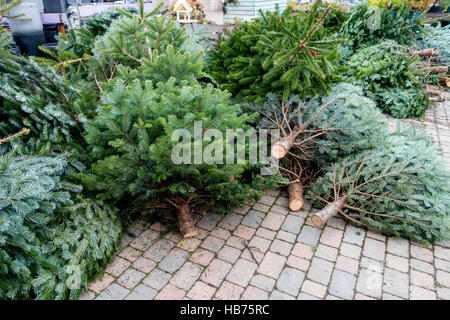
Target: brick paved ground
264, 251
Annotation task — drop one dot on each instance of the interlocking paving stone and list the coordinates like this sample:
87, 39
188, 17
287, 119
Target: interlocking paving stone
157, 279
374, 249
273, 221
130, 278
100, 284
306, 296
315, 289
421, 253
252, 293
320, 270
212, 244
262, 282
253, 219
286, 236
231, 221
189, 244
170, 292
440, 264
354, 235
159, 250
201, 291
443, 278
272, 264
281, 247
331, 237
174, 260
244, 232
397, 263
418, 293
266, 233
209, 221
142, 292
130, 254
229, 254
298, 263
216, 272
118, 266
422, 279
347, 264
326, 252
370, 282
144, 265
145, 240
350, 250
186, 276
396, 283
113, 292
242, 272
202, 257
342, 284
229, 291
398, 246
292, 224
290, 281
261, 244
309, 235
277, 295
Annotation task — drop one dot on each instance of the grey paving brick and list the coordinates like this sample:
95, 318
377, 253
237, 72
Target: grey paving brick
262, 282
159, 250
113, 292
309, 235
142, 292
292, 224
290, 281
342, 284
253, 219
157, 279
174, 260
130, 278
396, 283
320, 270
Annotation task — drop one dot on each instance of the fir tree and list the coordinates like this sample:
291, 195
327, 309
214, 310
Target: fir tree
400, 188
368, 25
52, 239
131, 137
284, 53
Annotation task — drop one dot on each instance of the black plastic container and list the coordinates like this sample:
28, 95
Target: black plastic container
51, 31
29, 43
55, 6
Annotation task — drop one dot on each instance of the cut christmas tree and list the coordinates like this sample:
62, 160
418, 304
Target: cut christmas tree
400, 188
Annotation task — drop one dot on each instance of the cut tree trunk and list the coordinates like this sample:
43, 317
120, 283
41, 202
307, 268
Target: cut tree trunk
430, 52
280, 149
186, 221
320, 218
432, 92
436, 69
296, 201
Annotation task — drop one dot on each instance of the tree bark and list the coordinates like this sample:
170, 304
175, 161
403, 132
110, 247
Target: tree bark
320, 218
432, 92
185, 221
436, 69
430, 52
280, 149
296, 201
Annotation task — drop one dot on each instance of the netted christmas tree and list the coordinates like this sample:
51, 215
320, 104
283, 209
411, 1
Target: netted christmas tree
400, 188
280, 52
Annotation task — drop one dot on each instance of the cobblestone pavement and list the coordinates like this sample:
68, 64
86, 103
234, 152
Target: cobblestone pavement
263, 251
